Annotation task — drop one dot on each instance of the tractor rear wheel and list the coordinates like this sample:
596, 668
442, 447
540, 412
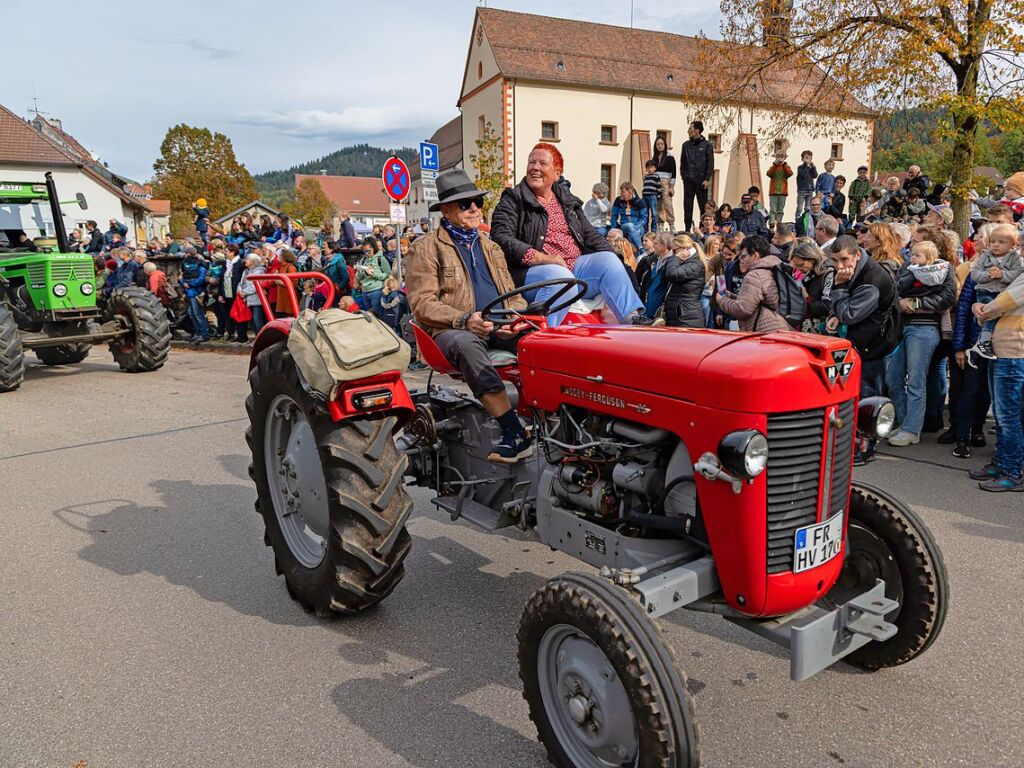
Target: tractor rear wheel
887, 540
330, 494
12, 354
65, 354
602, 687
148, 342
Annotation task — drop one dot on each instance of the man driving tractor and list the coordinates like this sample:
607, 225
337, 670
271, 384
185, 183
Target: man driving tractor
454, 272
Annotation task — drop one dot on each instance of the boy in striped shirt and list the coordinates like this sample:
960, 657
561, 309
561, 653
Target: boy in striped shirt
652, 194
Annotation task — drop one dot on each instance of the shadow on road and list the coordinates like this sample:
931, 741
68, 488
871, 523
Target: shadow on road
450, 690
207, 538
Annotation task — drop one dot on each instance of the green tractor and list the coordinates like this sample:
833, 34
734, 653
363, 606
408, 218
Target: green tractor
48, 301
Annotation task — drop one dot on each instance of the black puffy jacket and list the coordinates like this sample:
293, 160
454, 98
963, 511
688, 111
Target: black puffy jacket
697, 160
519, 223
684, 280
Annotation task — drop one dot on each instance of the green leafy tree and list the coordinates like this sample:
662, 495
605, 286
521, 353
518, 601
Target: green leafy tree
312, 206
196, 163
489, 164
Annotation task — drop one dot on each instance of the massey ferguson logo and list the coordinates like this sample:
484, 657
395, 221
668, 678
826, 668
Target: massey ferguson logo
840, 368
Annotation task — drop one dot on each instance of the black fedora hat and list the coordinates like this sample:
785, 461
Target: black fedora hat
453, 186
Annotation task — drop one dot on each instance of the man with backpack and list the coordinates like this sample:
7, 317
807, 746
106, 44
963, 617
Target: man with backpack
757, 305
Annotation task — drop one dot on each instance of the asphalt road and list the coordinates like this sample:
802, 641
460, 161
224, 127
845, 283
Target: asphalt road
141, 623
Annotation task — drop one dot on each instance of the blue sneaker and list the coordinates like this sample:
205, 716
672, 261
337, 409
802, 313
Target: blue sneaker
988, 472
1003, 483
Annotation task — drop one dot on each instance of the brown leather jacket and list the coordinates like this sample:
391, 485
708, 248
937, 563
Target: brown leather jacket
438, 281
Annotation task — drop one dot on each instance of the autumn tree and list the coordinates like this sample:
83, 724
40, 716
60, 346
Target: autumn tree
312, 206
195, 163
962, 58
489, 164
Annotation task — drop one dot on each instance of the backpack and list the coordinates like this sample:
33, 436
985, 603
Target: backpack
792, 297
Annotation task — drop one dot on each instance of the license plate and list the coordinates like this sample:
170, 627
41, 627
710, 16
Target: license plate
817, 544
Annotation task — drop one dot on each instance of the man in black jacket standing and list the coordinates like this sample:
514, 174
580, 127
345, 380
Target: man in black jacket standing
697, 168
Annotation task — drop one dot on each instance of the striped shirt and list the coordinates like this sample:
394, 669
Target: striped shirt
652, 185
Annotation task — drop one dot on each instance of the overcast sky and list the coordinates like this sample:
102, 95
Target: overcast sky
287, 82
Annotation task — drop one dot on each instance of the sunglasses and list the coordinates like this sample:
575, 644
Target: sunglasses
465, 205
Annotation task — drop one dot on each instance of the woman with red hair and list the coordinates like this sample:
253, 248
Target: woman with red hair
540, 226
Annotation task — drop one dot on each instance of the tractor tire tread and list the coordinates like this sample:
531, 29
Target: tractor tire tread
12, 352
929, 588
152, 336
368, 542
659, 689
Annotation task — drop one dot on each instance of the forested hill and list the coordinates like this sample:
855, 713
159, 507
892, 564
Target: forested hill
358, 160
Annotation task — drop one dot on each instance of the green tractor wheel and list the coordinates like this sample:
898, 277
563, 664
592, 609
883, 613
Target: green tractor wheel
146, 346
12, 354
65, 354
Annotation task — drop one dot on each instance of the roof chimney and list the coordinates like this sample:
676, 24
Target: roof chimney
56, 123
775, 26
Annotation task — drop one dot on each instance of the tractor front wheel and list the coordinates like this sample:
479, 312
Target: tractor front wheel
887, 540
602, 687
65, 354
148, 342
330, 494
12, 354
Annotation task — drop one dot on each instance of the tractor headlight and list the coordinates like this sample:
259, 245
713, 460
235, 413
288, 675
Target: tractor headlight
60, 290
87, 289
744, 453
876, 416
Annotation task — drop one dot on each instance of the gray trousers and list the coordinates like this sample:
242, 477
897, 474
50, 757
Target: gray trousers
468, 352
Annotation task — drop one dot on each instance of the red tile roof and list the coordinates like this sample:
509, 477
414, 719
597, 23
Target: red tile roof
584, 53
21, 143
355, 194
159, 207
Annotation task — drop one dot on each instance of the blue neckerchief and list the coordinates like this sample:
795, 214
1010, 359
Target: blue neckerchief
463, 236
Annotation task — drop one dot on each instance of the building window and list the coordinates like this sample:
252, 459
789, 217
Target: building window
549, 130
481, 126
608, 134
837, 152
480, 71
608, 177
716, 141
666, 135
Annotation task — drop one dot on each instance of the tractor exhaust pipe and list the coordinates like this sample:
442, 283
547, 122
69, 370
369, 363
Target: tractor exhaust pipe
58, 217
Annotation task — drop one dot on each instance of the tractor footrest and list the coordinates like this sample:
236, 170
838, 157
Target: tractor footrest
473, 512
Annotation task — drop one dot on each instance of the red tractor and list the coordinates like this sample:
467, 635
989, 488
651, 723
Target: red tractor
691, 469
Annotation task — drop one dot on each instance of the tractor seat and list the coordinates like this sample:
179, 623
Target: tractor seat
434, 357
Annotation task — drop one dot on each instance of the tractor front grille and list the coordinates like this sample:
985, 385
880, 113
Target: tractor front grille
37, 274
797, 495
63, 271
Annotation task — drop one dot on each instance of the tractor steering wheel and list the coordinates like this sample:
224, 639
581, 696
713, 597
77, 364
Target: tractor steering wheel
502, 316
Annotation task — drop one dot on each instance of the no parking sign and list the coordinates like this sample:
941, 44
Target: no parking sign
396, 179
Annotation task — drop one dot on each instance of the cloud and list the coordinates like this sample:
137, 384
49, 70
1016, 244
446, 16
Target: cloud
210, 51
352, 123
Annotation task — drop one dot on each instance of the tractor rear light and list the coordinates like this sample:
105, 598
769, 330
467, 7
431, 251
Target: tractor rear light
374, 398
60, 290
87, 289
876, 416
744, 453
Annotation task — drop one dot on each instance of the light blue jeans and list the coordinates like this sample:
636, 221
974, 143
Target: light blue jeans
1007, 375
604, 275
907, 375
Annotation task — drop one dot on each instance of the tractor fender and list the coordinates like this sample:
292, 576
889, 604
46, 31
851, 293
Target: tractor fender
271, 333
344, 406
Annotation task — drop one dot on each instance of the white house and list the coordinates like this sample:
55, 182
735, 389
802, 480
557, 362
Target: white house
26, 154
604, 94
448, 139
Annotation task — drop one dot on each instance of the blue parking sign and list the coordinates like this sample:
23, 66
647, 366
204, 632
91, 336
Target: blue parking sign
429, 159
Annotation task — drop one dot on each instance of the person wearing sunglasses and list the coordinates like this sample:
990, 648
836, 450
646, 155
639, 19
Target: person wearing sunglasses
545, 235
454, 272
